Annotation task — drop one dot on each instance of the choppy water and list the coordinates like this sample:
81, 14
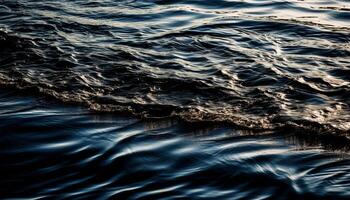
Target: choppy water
195, 78
254, 64
49, 151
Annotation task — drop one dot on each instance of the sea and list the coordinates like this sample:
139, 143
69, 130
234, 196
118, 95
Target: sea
175, 99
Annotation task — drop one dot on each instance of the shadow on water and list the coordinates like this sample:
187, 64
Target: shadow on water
52, 151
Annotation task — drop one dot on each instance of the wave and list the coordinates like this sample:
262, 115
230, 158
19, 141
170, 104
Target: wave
249, 70
54, 151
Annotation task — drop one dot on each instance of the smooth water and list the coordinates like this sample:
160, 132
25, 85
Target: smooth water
174, 99
50, 151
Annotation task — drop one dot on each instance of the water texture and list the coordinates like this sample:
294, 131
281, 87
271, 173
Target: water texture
262, 65
215, 99
50, 151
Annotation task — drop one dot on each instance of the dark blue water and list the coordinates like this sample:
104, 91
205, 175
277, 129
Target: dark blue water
50, 151
158, 99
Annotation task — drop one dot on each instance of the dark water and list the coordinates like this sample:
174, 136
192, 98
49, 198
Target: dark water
50, 151
216, 99
254, 64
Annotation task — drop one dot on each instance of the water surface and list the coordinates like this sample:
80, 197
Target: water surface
160, 99
50, 151
254, 64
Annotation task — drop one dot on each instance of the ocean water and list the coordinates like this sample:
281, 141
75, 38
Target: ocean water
182, 99
51, 151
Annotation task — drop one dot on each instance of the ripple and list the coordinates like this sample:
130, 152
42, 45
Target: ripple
252, 66
94, 55
72, 153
